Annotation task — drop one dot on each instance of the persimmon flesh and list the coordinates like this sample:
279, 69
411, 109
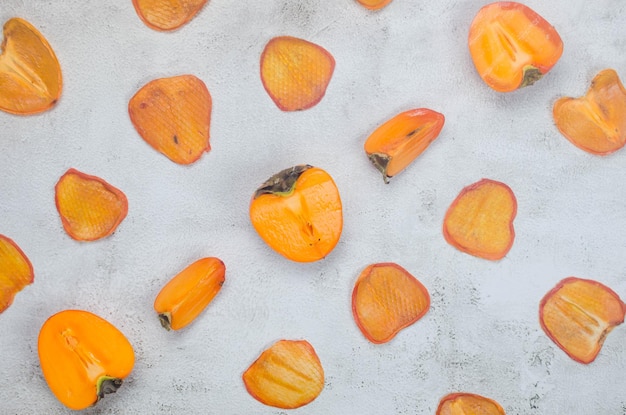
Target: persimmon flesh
16, 271
374, 4
468, 403
166, 15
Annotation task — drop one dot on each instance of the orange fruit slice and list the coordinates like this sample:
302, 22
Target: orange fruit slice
165, 15
578, 314
595, 122
186, 295
16, 271
90, 208
468, 403
288, 375
295, 73
30, 74
173, 115
512, 46
298, 213
374, 4
399, 141
386, 299
480, 220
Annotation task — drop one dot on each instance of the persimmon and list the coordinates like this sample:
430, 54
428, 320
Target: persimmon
468, 403
173, 115
400, 140
578, 314
16, 271
298, 213
512, 46
374, 4
30, 74
83, 357
295, 72
186, 295
287, 375
386, 299
480, 220
166, 15
90, 208
595, 122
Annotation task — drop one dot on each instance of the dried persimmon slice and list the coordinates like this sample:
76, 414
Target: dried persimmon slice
16, 271
165, 15
578, 314
480, 220
468, 403
30, 74
386, 299
374, 4
288, 375
173, 115
90, 208
295, 72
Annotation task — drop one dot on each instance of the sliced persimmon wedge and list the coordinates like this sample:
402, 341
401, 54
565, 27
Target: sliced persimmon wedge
90, 208
287, 375
173, 115
166, 15
512, 46
400, 140
374, 4
295, 72
578, 314
595, 122
468, 403
480, 220
386, 299
30, 74
16, 271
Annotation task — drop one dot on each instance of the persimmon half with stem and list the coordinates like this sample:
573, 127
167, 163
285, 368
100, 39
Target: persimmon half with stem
595, 122
578, 314
468, 403
374, 4
400, 140
298, 213
512, 46
30, 74
16, 271
166, 15
83, 357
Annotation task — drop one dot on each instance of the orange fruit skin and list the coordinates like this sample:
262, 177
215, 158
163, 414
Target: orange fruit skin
374, 4
16, 271
468, 403
167, 15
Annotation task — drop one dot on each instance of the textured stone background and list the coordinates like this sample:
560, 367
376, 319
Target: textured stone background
482, 333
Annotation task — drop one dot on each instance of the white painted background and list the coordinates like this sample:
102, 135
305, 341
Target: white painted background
482, 333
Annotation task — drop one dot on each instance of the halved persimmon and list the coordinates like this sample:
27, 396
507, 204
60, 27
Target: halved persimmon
83, 357
374, 4
578, 314
90, 208
400, 140
186, 295
30, 74
468, 403
595, 122
298, 213
480, 220
295, 72
165, 15
173, 115
512, 46
16, 271
288, 375
386, 299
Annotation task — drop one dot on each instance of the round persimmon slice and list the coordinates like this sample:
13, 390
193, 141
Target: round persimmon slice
165, 15
480, 220
173, 115
374, 4
16, 271
295, 72
90, 208
386, 299
468, 403
288, 375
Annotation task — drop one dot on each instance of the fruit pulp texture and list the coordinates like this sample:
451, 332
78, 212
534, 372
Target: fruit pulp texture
468, 404
166, 15
16, 271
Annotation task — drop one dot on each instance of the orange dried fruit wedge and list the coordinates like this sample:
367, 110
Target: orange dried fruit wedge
288, 375
578, 314
295, 72
186, 295
16, 271
173, 115
468, 404
480, 220
83, 357
595, 122
165, 15
374, 4
386, 299
90, 208
512, 46
298, 213
400, 140
30, 74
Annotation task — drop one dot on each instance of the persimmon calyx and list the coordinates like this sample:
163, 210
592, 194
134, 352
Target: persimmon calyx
107, 385
381, 161
531, 75
283, 182
165, 319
